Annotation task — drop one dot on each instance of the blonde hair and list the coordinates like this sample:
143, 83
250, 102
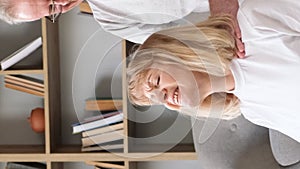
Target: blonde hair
207, 47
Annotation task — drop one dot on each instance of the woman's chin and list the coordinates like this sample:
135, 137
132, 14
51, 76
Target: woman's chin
188, 98
188, 103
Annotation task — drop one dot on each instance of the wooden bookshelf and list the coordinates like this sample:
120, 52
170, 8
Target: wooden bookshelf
51, 150
47, 68
85, 8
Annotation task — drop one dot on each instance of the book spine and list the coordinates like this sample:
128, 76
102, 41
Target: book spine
21, 54
29, 86
102, 130
98, 123
99, 117
26, 80
24, 89
103, 147
103, 138
103, 105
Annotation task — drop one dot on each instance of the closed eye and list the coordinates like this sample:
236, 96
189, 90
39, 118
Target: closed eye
158, 80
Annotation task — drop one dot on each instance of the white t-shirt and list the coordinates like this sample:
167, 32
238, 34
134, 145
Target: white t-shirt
268, 79
136, 20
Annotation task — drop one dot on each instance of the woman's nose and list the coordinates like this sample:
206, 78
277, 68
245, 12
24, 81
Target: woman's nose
159, 96
164, 95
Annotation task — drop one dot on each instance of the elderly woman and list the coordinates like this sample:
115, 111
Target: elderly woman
194, 68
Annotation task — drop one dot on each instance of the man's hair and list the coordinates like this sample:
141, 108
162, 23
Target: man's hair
207, 47
7, 13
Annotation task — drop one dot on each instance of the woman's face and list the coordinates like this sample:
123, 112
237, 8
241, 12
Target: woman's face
172, 86
29, 10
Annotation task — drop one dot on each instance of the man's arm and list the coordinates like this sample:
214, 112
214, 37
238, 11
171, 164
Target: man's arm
135, 20
230, 7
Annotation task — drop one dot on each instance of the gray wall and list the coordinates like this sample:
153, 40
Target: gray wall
90, 58
90, 66
16, 106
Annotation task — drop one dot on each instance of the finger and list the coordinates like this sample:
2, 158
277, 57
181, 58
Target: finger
240, 48
240, 55
240, 45
237, 29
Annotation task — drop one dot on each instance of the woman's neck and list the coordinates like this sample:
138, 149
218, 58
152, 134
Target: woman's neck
209, 84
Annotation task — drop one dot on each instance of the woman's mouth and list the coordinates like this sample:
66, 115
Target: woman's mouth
175, 96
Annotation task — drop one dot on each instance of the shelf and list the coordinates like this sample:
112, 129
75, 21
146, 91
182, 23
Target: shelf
21, 157
85, 8
22, 71
20, 143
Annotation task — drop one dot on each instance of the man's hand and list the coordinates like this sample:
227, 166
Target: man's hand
229, 7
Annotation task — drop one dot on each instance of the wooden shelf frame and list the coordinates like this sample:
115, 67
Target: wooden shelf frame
52, 151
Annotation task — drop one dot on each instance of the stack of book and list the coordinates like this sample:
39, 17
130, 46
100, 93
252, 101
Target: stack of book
103, 104
25, 84
101, 132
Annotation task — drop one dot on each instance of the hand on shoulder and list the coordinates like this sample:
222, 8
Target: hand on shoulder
229, 7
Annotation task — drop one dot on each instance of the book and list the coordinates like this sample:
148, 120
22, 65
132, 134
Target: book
101, 116
105, 165
97, 117
77, 128
20, 54
25, 165
102, 130
103, 138
102, 147
23, 85
24, 89
103, 104
25, 81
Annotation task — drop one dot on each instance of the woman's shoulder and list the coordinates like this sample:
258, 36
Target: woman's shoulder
271, 17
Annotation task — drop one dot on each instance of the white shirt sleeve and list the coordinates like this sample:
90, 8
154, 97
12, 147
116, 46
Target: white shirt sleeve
282, 18
135, 20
